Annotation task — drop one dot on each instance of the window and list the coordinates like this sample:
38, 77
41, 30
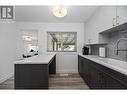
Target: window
30, 42
61, 41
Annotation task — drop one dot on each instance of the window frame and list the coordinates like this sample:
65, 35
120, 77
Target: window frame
62, 32
29, 30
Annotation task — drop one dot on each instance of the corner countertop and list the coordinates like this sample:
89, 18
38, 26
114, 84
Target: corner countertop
38, 59
117, 65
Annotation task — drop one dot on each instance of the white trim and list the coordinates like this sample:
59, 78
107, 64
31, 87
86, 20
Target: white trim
66, 71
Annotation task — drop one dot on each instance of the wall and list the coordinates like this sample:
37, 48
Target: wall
112, 39
111, 47
91, 28
66, 61
7, 50
100, 21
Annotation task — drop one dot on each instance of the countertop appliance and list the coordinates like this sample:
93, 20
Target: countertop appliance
102, 51
85, 50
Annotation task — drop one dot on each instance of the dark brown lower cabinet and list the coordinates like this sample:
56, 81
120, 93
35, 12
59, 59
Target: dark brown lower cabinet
52, 66
100, 77
80, 63
34, 76
111, 83
83, 69
95, 81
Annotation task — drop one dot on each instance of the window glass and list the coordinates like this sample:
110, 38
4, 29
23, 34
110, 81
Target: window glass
30, 42
61, 41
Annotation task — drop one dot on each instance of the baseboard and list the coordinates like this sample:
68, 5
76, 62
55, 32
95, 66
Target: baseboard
6, 77
66, 71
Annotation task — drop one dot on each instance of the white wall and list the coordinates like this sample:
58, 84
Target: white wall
91, 27
66, 62
102, 20
7, 50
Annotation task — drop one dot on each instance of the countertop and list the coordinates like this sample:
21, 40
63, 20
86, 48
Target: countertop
38, 59
117, 65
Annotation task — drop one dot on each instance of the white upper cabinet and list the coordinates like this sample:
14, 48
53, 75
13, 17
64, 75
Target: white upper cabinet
101, 20
121, 14
104, 18
111, 16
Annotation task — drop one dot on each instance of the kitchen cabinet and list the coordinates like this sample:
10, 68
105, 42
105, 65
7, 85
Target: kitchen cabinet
80, 60
110, 82
83, 68
106, 15
122, 14
100, 21
111, 16
100, 77
34, 75
95, 80
86, 68
104, 18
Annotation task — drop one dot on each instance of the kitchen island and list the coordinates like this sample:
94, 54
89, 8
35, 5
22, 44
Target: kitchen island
33, 72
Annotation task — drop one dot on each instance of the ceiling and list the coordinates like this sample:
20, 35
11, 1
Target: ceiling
44, 14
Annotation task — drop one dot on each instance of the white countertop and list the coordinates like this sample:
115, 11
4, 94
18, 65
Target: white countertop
38, 59
117, 65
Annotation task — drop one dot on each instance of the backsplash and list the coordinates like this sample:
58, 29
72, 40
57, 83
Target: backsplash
111, 40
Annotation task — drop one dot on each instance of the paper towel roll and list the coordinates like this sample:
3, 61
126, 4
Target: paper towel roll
102, 52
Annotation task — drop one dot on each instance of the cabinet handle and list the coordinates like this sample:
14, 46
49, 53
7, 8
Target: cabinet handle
113, 22
117, 20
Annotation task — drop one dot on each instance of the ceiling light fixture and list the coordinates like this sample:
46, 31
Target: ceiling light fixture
59, 11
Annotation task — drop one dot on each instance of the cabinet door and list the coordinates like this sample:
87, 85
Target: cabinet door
31, 76
106, 17
80, 65
83, 68
95, 77
52, 66
86, 70
101, 20
112, 83
122, 14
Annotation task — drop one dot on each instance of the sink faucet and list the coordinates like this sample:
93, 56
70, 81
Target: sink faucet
117, 44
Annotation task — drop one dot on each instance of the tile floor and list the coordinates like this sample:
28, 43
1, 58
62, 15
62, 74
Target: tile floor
57, 81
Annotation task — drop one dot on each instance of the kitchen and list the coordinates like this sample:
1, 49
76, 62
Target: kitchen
84, 34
